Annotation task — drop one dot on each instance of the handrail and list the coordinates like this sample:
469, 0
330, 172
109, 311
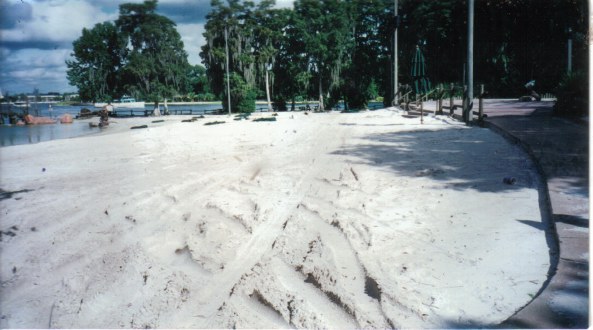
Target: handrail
425, 96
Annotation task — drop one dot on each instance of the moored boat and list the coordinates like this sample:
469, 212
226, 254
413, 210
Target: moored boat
124, 103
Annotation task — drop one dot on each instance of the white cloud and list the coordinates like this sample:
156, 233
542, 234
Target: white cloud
30, 68
284, 4
33, 58
56, 21
4, 53
193, 39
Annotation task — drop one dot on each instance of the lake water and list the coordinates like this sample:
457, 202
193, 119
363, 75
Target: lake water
15, 135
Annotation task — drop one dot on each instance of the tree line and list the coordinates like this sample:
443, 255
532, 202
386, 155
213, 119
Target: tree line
140, 54
331, 50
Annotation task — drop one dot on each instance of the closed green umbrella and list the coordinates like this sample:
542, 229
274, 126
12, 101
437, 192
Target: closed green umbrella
421, 82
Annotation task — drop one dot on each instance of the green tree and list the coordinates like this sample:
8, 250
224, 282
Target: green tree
267, 33
252, 41
157, 64
325, 29
238, 20
198, 80
141, 54
371, 55
97, 61
291, 73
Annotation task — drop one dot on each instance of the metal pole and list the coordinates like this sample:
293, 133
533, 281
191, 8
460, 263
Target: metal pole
421, 111
569, 69
470, 60
395, 81
228, 77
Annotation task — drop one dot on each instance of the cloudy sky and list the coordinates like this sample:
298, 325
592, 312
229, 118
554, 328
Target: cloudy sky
36, 36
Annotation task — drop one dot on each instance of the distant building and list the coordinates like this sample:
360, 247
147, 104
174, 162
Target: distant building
68, 97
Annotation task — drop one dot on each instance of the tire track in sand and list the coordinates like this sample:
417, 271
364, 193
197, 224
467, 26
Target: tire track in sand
215, 293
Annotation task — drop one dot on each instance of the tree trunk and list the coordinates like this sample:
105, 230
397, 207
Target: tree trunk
268, 92
321, 107
157, 110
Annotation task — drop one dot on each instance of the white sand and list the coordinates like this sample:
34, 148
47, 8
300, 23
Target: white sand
320, 220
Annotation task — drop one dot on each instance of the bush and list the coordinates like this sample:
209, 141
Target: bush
572, 95
242, 96
206, 97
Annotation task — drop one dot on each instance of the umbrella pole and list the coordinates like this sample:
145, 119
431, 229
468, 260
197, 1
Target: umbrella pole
421, 111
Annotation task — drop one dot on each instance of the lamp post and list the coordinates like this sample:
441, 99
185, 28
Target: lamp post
228, 77
395, 81
470, 62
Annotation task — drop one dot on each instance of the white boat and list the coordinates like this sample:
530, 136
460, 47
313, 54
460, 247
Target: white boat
124, 103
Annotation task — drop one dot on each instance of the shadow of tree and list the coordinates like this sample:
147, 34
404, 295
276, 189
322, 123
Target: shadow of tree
462, 158
559, 145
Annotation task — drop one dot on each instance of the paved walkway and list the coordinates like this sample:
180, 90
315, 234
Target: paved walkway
560, 148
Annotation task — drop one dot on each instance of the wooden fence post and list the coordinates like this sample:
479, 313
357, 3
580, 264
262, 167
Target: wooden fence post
440, 101
451, 91
464, 103
481, 103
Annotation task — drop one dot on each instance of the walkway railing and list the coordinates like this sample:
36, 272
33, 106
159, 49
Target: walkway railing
438, 94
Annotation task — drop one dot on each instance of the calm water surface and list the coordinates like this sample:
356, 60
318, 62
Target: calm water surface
16, 135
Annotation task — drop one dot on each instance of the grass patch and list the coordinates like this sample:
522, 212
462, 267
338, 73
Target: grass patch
214, 123
138, 127
158, 121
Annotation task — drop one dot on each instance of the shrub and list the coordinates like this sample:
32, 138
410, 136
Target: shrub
572, 95
242, 96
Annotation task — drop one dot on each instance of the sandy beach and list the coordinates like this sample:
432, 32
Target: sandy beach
319, 220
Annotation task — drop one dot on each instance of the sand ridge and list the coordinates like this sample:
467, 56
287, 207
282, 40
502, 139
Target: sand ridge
321, 220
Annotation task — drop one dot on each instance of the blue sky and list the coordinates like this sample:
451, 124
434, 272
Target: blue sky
36, 36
